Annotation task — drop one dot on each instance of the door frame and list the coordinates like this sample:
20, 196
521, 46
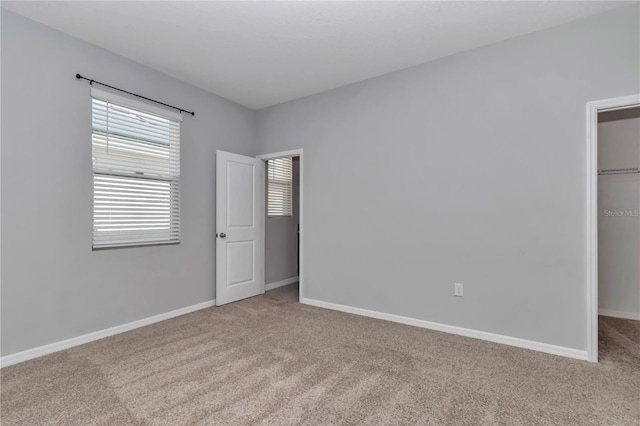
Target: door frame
593, 108
293, 153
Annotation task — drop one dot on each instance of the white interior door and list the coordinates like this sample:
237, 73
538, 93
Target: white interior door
240, 216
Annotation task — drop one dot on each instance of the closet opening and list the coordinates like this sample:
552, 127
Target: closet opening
619, 234
613, 230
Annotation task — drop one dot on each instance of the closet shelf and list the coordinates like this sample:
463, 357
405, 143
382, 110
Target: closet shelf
618, 171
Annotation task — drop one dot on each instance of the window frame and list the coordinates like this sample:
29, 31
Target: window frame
286, 184
145, 180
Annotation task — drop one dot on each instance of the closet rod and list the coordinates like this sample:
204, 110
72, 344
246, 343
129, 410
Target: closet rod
618, 171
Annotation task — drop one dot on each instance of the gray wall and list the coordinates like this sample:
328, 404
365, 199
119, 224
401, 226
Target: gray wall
466, 169
53, 286
281, 239
618, 220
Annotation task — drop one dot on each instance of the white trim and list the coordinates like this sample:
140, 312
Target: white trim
295, 153
97, 335
619, 314
280, 283
467, 332
108, 96
274, 155
592, 213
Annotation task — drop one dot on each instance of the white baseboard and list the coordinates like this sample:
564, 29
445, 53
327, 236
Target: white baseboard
282, 283
619, 314
467, 332
7, 360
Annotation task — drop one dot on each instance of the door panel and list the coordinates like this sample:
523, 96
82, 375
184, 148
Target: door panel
239, 227
240, 262
240, 194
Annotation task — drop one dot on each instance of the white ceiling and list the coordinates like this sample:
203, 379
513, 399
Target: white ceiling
263, 53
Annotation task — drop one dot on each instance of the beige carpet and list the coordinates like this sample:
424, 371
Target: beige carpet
265, 361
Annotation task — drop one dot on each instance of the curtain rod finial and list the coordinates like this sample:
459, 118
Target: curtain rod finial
78, 76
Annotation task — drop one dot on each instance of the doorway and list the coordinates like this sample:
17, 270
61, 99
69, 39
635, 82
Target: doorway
283, 225
613, 223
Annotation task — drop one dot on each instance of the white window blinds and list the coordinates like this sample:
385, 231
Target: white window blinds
136, 172
279, 186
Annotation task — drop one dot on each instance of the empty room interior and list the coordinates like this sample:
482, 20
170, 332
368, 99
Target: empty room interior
320, 213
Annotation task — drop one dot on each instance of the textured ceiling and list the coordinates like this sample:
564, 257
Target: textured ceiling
263, 53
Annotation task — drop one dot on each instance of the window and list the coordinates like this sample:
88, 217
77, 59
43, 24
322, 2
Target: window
279, 186
136, 172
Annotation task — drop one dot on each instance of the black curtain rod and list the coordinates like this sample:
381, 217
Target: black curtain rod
79, 77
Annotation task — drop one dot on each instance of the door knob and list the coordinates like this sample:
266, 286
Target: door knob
222, 235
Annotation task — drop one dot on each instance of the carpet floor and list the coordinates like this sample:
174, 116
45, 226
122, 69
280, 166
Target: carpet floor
266, 361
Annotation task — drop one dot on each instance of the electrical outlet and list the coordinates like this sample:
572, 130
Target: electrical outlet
458, 289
